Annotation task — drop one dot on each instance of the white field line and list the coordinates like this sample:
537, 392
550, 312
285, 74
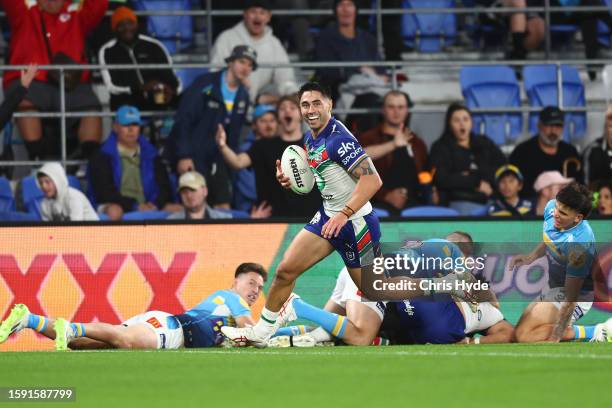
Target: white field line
386, 353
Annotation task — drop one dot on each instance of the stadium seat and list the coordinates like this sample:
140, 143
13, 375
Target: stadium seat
7, 200
188, 75
429, 32
31, 195
145, 215
562, 35
542, 90
429, 211
236, 214
175, 32
493, 86
17, 216
604, 34
606, 76
74, 182
381, 213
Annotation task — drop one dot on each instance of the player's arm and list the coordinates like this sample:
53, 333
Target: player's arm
235, 161
500, 332
573, 285
368, 183
520, 260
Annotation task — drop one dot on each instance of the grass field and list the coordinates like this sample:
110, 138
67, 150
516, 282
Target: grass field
514, 375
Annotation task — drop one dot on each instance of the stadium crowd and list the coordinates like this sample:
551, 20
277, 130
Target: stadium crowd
232, 124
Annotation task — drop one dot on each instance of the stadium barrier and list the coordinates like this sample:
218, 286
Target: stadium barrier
110, 273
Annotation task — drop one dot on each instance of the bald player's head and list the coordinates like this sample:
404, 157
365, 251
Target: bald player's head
463, 240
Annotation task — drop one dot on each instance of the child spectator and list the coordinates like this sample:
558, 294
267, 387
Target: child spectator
604, 198
62, 202
509, 183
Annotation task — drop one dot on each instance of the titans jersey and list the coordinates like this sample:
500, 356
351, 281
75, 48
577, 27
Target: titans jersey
202, 324
436, 257
332, 155
569, 252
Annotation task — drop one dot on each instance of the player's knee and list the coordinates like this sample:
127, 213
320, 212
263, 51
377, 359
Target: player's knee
522, 334
285, 274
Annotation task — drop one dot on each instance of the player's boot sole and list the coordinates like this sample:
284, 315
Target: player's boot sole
61, 340
292, 341
12, 322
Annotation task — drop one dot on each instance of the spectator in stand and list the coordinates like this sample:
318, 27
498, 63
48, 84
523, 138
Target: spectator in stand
213, 99
14, 97
509, 182
265, 126
254, 31
343, 41
546, 151
62, 202
264, 155
604, 198
398, 154
127, 174
547, 185
597, 157
529, 30
193, 192
464, 163
53, 32
146, 89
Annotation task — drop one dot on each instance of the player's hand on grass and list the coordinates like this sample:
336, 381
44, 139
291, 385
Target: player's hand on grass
221, 136
334, 225
280, 176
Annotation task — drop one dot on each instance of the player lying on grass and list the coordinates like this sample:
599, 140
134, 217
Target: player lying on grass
441, 320
346, 223
569, 246
198, 327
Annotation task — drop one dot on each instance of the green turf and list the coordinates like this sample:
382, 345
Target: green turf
545, 375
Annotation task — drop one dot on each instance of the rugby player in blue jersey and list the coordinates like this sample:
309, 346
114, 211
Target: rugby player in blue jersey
569, 246
197, 327
347, 180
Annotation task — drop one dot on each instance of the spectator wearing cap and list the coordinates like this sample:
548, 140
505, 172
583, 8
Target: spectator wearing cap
508, 183
546, 151
127, 174
398, 154
547, 185
193, 192
144, 88
46, 32
343, 41
254, 30
212, 100
263, 156
597, 157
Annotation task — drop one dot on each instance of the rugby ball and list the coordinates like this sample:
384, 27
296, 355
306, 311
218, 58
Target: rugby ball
294, 164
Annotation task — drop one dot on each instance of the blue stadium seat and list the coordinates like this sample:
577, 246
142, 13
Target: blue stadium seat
381, 213
562, 35
236, 214
74, 182
429, 32
17, 216
188, 75
493, 86
430, 211
7, 200
604, 34
145, 215
31, 195
542, 90
175, 32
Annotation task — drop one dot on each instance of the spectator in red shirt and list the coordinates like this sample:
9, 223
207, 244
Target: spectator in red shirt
53, 31
399, 155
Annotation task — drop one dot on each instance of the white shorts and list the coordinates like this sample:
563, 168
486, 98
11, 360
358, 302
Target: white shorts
557, 297
166, 327
346, 289
484, 317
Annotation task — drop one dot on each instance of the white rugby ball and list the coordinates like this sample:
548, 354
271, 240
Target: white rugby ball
294, 164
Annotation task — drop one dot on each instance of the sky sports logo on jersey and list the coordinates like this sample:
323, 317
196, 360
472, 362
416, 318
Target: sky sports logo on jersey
352, 149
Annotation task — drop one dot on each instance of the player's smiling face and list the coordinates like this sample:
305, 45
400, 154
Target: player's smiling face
316, 110
249, 285
565, 217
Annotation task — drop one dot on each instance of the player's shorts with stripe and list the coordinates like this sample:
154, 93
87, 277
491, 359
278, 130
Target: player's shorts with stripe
557, 297
346, 290
165, 326
357, 238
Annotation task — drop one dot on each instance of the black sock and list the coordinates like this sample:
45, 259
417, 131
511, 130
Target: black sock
88, 148
518, 45
36, 149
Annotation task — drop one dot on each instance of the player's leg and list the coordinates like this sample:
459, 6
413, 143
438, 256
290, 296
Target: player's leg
537, 322
137, 336
20, 318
